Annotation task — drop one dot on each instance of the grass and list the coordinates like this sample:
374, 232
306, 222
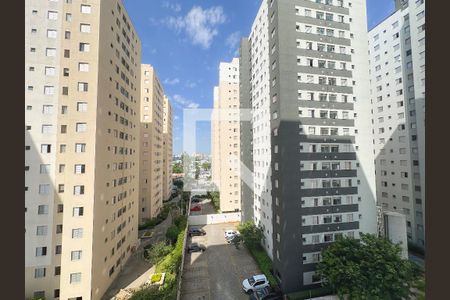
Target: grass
264, 262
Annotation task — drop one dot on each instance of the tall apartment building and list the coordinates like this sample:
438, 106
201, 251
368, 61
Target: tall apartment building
314, 177
226, 137
246, 132
397, 75
167, 142
151, 193
82, 77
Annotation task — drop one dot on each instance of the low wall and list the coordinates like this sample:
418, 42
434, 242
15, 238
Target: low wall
214, 218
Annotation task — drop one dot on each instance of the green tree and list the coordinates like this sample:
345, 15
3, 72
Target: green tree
206, 165
172, 234
177, 167
369, 268
251, 234
157, 252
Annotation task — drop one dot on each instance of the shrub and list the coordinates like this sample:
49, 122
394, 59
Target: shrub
156, 277
157, 252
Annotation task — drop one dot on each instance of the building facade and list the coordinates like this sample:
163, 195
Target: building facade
226, 138
81, 146
151, 192
167, 142
397, 75
314, 177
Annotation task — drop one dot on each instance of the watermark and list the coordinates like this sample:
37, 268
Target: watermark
217, 117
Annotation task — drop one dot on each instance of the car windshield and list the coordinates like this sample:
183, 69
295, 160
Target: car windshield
194, 245
251, 280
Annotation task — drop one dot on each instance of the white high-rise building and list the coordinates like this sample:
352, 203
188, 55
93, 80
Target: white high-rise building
225, 137
397, 75
305, 76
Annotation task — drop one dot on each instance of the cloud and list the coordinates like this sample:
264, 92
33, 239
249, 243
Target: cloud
200, 25
171, 81
176, 7
232, 41
190, 84
185, 103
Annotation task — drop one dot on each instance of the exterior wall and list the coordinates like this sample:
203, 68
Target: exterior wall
314, 176
246, 135
397, 66
395, 230
261, 143
107, 106
36, 18
167, 169
226, 152
151, 191
214, 219
215, 150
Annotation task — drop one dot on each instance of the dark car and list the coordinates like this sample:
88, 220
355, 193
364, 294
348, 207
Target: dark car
265, 294
194, 247
196, 200
196, 231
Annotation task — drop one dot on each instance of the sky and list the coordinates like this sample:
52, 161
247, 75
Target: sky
185, 40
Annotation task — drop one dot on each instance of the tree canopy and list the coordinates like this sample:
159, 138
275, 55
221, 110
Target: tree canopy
369, 268
250, 233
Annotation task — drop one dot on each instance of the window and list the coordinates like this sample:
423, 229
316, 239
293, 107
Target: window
75, 277
52, 15
44, 189
42, 209
39, 272
49, 90
75, 255
81, 127
84, 47
51, 33
85, 9
81, 106
83, 67
41, 251
420, 15
41, 230
79, 147
77, 211
82, 86
80, 169
78, 190
47, 128
86, 28
77, 233
69, 17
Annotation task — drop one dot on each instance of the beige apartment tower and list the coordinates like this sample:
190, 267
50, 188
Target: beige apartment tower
225, 137
151, 194
82, 80
167, 142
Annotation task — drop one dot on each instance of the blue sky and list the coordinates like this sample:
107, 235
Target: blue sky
185, 40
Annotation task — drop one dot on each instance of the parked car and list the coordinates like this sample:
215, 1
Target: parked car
196, 231
255, 283
196, 208
195, 247
230, 234
265, 294
196, 200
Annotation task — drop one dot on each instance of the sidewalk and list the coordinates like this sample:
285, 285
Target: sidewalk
137, 270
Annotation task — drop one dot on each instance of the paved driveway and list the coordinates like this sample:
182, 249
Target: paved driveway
216, 274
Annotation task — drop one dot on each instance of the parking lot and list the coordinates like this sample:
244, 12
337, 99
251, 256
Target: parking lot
217, 273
